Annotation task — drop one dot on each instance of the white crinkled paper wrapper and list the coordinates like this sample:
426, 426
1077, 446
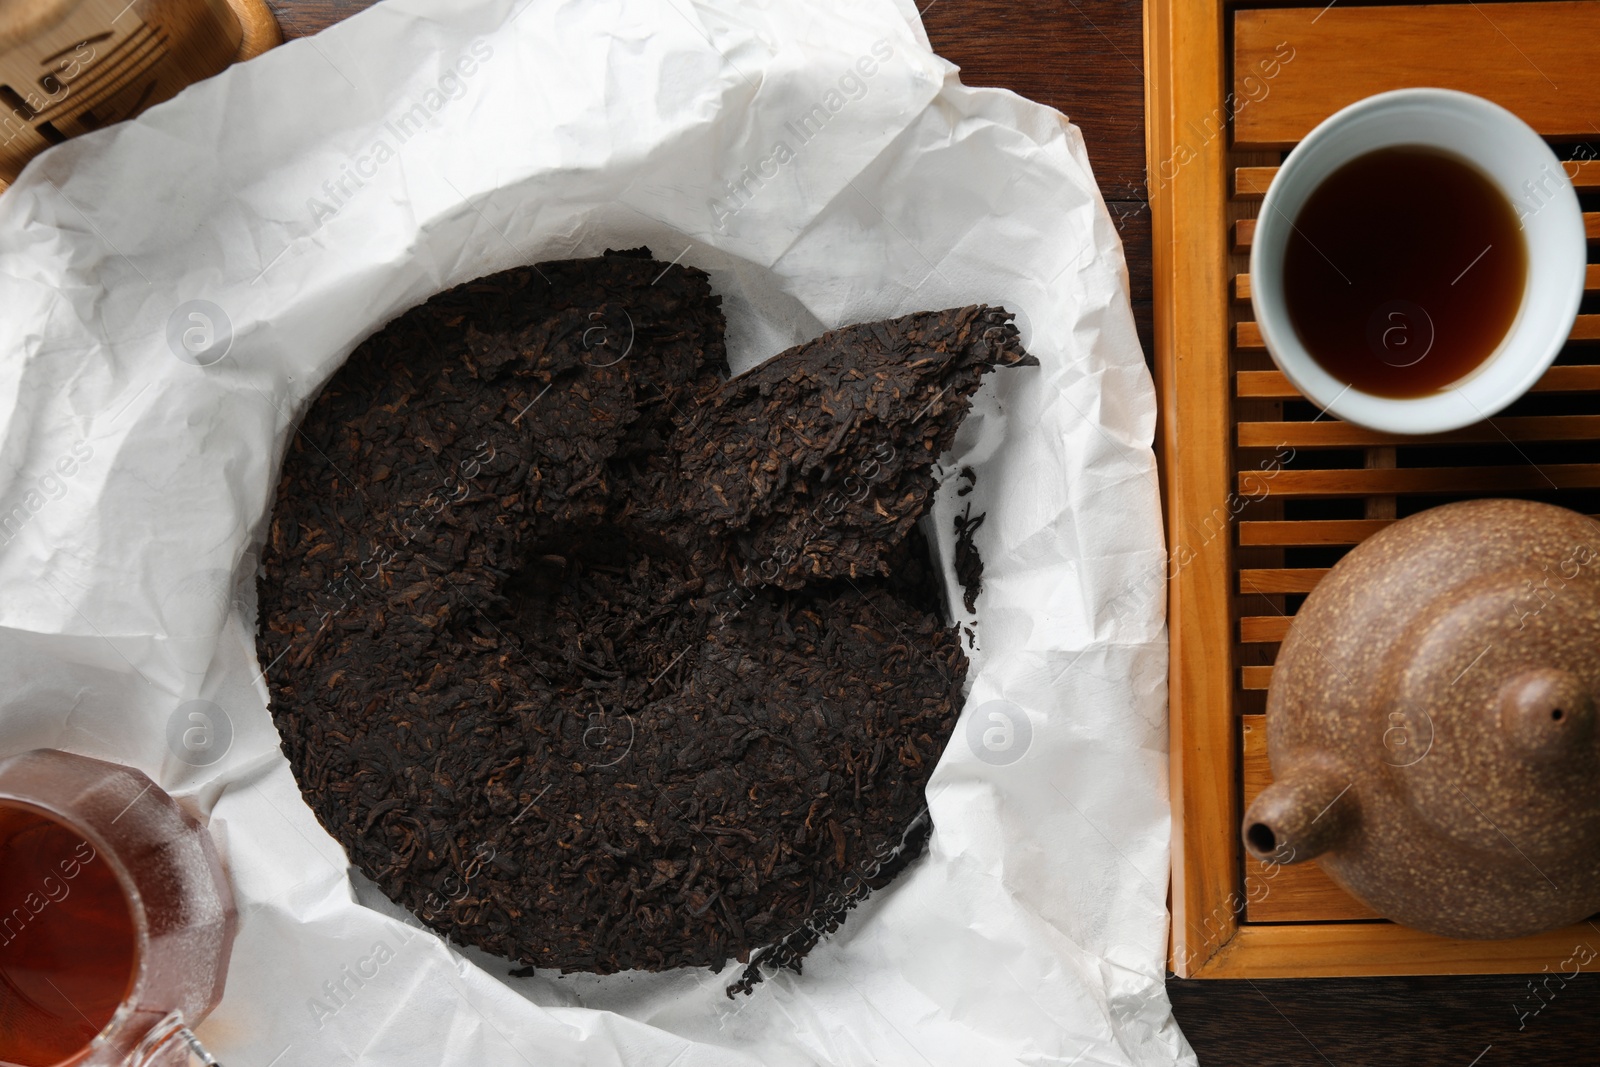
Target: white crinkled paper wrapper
311, 195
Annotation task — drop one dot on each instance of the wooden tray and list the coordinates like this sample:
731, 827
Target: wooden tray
1263, 493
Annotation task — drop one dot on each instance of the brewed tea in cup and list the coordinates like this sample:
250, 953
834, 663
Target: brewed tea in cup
1418, 261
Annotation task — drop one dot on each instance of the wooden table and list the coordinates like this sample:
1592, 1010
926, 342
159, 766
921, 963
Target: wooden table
1086, 59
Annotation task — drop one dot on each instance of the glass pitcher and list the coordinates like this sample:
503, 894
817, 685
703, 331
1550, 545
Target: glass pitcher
116, 921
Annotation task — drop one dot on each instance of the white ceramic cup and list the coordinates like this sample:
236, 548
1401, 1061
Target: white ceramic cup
1519, 164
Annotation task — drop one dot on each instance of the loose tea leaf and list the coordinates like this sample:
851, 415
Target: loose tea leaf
969, 564
561, 648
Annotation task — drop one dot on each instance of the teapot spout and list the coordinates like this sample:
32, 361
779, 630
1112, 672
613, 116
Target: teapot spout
1306, 812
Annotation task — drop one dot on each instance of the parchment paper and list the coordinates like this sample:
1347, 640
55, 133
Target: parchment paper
177, 288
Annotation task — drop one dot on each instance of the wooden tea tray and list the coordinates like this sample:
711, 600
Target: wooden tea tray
1263, 493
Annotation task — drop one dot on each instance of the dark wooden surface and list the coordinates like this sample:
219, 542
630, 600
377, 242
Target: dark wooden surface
1086, 59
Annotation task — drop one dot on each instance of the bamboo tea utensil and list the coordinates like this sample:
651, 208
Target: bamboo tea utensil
71, 66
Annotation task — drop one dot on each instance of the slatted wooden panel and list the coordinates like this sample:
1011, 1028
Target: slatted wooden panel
1536, 59
1371, 475
1257, 523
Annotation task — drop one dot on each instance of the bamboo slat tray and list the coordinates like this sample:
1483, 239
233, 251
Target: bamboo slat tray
1263, 493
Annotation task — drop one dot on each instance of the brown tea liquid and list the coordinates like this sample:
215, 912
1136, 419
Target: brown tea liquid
1404, 271
67, 940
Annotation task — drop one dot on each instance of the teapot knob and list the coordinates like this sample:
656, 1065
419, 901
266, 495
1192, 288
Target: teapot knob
1546, 714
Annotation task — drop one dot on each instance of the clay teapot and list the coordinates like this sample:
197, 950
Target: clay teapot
1431, 723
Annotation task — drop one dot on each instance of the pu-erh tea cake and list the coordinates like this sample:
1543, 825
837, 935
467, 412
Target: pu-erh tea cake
597, 659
